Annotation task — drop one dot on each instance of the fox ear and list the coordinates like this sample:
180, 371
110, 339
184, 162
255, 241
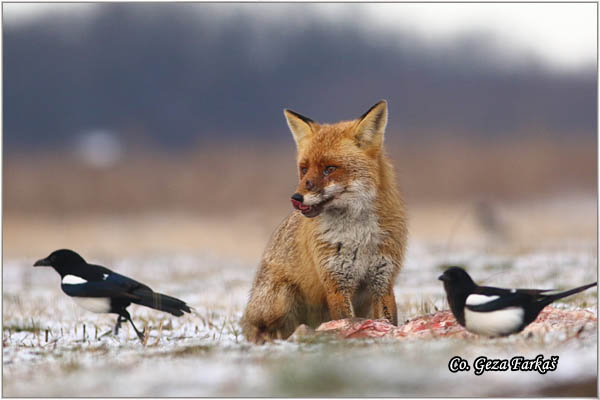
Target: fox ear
299, 125
371, 126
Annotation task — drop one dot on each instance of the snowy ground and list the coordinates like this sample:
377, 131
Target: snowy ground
47, 353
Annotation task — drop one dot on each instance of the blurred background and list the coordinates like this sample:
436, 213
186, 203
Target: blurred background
175, 110
150, 138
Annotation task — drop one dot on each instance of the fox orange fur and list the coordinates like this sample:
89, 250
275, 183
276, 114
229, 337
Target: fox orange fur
337, 255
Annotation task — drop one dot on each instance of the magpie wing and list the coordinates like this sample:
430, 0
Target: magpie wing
97, 289
123, 281
110, 285
506, 300
495, 291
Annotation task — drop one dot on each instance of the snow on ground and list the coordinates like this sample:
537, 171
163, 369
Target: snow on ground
53, 348
46, 353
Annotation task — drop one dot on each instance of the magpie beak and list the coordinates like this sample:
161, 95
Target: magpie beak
44, 262
443, 277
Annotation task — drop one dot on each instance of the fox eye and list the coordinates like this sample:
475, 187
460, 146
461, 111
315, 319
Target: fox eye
303, 170
329, 170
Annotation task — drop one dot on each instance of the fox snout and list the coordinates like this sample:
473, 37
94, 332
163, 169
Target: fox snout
297, 200
310, 205
298, 197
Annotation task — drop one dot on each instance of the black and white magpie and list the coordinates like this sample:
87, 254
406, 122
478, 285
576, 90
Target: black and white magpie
492, 311
100, 290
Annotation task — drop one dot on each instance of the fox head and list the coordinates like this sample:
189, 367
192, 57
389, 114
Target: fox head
338, 164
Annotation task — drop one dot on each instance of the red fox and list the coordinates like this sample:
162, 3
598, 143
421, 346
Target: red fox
338, 253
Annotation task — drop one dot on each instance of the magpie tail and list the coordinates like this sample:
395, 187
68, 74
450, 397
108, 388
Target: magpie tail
162, 302
547, 299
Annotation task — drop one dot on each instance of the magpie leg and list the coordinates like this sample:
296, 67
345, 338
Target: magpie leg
115, 330
127, 317
118, 325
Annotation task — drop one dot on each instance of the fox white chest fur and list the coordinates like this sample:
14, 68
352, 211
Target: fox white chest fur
354, 229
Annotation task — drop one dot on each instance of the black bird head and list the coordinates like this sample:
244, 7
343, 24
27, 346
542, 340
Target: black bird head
458, 286
458, 278
61, 260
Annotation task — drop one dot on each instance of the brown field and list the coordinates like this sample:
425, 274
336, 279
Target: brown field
241, 178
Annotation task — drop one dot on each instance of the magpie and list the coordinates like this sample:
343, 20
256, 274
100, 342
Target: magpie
492, 311
100, 290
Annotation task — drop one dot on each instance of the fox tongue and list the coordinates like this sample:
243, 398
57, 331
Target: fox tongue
299, 206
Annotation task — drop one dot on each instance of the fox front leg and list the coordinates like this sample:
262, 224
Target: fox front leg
340, 285
385, 307
339, 303
381, 285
